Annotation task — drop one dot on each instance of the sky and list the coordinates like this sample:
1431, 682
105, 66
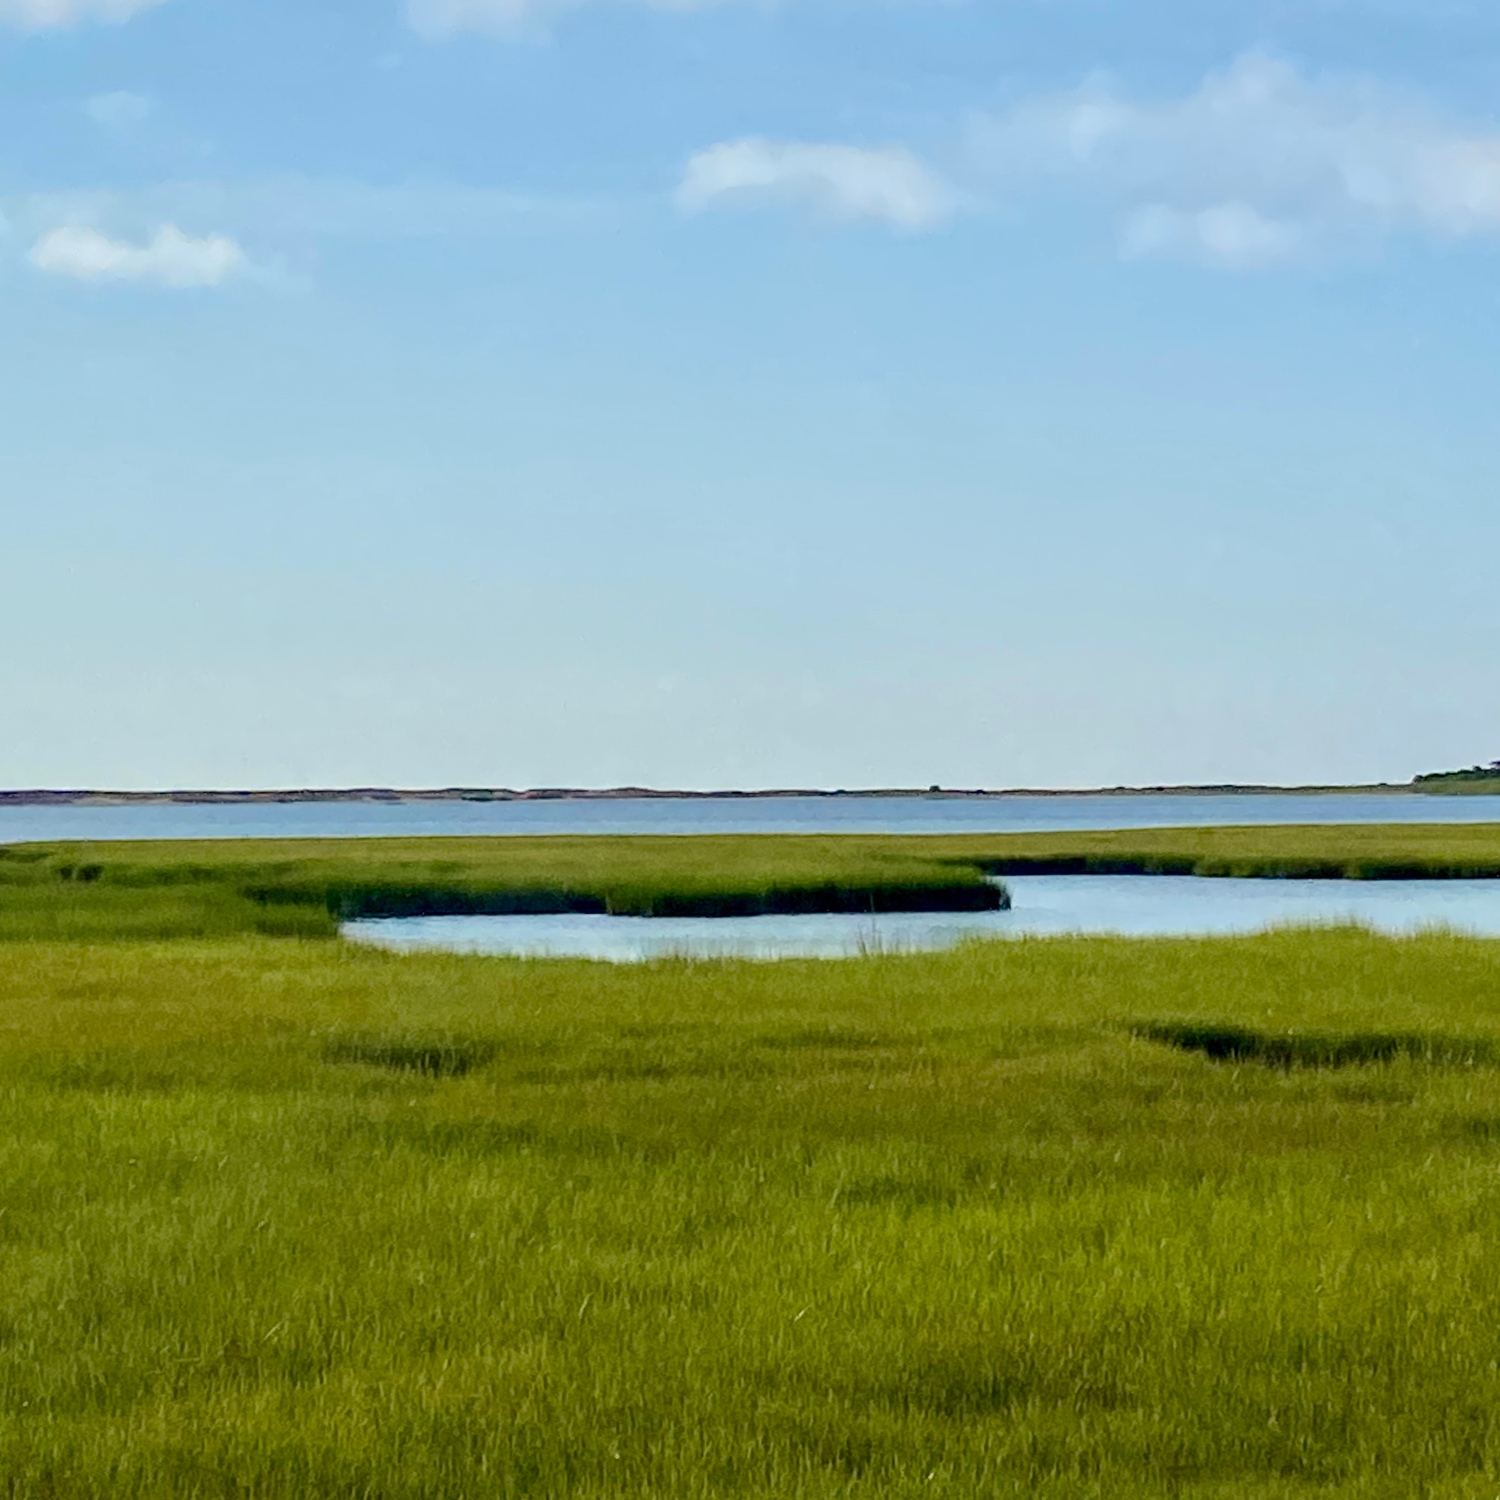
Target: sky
748, 393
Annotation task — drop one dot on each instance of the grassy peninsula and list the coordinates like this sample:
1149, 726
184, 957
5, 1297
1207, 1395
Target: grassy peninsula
305, 887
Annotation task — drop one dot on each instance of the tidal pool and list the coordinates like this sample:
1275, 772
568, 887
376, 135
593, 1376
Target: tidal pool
1042, 905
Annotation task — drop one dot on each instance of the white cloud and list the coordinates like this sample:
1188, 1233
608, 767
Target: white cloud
888, 183
120, 110
106, 234
170, 258
43, 15
1261, 163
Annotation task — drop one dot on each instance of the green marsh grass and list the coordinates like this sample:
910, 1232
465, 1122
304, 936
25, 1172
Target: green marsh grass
292, 1220
305, 887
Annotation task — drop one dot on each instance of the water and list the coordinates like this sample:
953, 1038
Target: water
853, 814
1133, 905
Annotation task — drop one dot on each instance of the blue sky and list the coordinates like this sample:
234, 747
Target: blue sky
516, 392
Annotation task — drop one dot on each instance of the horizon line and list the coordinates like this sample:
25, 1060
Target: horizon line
40, 796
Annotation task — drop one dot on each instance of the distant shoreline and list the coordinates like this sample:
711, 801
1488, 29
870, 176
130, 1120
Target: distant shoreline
392, 795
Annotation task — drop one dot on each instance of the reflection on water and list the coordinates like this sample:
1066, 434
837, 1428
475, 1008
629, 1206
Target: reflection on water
1134, 905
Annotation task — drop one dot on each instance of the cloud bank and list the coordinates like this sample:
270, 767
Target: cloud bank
1260, 164
44, 15
887, 184
169, 259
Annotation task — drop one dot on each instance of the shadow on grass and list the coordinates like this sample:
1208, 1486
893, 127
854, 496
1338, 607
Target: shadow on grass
1316, 1049
434, 1057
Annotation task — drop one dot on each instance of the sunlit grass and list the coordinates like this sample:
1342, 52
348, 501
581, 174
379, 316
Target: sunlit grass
295, 1219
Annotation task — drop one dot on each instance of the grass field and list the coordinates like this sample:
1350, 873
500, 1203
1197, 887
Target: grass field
303, 887
1055, 1218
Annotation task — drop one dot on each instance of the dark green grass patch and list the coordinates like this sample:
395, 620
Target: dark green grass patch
1317, 1049
436, 1057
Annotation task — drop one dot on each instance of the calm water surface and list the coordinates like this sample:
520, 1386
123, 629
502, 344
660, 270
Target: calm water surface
731, 815
1134, 905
